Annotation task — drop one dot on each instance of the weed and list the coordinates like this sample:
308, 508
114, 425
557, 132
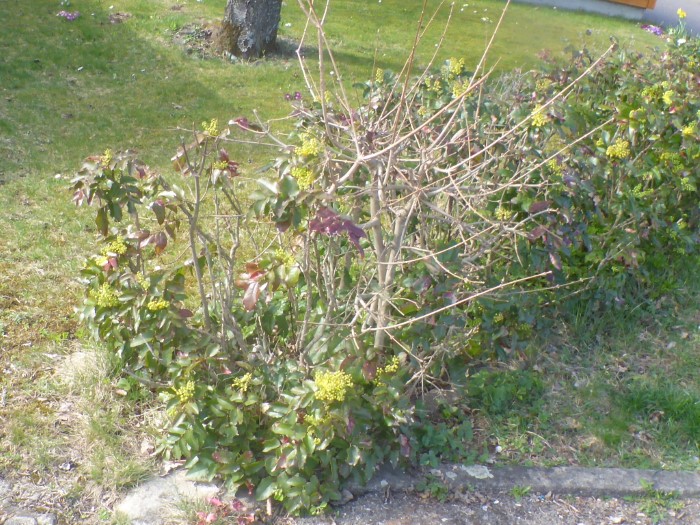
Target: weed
498, 392
433, 487
656, 503
520, 491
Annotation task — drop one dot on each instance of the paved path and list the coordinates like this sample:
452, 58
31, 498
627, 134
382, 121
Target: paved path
665, 14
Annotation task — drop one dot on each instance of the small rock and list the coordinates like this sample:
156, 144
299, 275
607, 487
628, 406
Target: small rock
147, 447
46, 519
477, 471
617, 519
21, 520
148, 503
346, 496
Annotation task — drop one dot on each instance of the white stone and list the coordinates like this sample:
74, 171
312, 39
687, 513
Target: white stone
21, 520
477, 471
152, 502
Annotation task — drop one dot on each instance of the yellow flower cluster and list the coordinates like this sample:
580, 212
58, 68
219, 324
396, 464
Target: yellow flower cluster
285, 257
332, 386
143, 282
379, 76
433, 84
555, 168
689, 130
107, 157
391, 367
539, 118
502, 214
304, 177
212, 128
525, 329
156, 305
459, 88
687, 185
243, 383
637, 114
105, 297
681, 14
543, 84
185, 392
554, 144
315, 422
456, 66
117, 246
652, 92
310, 146
619, 150
668, 97
640, 193
672, 160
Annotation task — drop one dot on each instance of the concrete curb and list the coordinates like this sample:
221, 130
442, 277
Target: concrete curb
575, 481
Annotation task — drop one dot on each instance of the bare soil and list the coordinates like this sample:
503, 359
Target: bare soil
502, 509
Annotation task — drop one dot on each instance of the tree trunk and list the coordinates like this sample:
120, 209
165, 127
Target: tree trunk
250, 27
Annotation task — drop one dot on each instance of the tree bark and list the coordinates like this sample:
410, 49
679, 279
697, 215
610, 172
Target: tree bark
250, 27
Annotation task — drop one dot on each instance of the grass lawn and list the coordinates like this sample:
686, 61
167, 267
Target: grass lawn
69, 89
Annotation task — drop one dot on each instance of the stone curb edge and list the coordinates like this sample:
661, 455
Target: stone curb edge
575, 481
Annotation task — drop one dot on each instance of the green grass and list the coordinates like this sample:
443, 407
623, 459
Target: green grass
71, 89
624, 394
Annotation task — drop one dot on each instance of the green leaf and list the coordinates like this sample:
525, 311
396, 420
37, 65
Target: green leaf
269, 186
141, 339
289, 187
265, 489
271, 444
101, 221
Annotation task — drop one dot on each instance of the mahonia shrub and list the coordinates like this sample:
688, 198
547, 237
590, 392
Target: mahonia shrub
620, 156
290, 329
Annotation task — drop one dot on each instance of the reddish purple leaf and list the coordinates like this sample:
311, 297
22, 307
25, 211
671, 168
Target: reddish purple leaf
537, 207
231, 166
556, 260
369, 370
537, 233
160, 240
350, 424
245, 124
347, 362
79, 197
111, 264
185, 313
251, 296
159, 209
281, 463
329, 223
405, 446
